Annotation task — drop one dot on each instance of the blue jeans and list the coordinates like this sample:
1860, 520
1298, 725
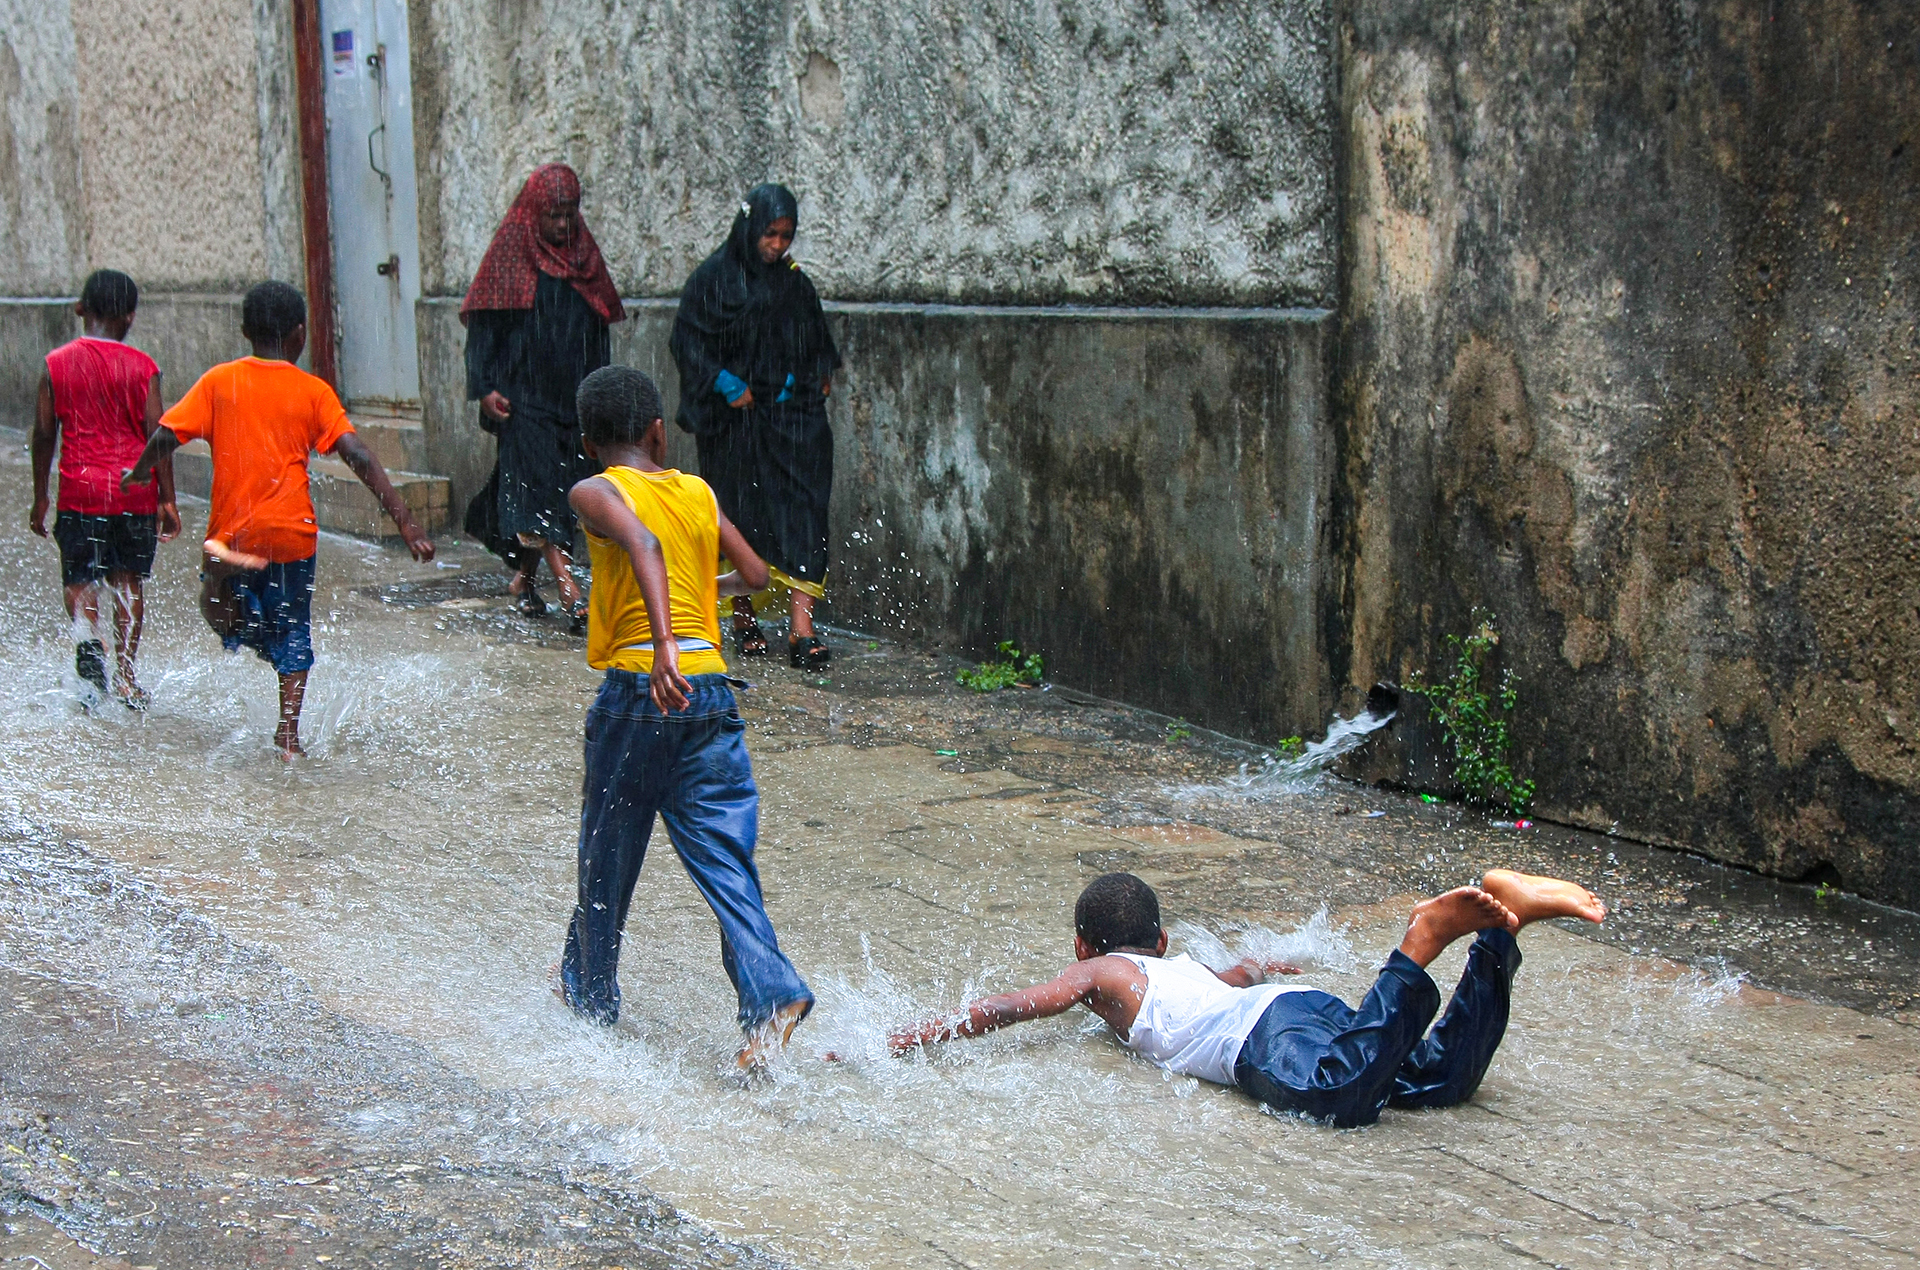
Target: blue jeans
1314, 1055
691, 767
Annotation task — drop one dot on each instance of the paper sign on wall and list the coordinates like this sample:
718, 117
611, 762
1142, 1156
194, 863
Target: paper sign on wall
345, 64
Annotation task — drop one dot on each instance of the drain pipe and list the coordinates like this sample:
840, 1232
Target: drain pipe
310, 90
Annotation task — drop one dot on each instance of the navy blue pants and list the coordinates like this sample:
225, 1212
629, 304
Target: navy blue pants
1314, 1055
691, 767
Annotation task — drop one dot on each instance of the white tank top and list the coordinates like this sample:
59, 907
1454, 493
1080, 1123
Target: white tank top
1190, 1022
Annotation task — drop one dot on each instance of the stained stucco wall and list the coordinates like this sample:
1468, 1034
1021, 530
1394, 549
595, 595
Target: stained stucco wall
1157, 529
42, 228
1629, 356
1149, 151
158, 140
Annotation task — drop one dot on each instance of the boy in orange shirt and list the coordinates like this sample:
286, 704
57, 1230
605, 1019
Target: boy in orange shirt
261, 415
100, 402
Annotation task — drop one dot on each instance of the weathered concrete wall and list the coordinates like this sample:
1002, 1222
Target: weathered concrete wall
1628, 356
1153, 151
159, 141
42, 225
1137, 495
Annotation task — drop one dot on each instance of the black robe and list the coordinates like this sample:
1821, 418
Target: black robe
535, 358
770, 465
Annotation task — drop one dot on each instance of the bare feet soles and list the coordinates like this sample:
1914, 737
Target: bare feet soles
1444, 918
221, 552
1532, 898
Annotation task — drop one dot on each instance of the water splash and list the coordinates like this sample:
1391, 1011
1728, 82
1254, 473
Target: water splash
1314, 943
1275, 776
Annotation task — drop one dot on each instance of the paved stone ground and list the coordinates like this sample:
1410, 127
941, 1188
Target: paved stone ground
235, 1037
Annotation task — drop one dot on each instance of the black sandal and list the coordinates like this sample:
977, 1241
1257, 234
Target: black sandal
748, 639
529, 602
577, 619
808, 653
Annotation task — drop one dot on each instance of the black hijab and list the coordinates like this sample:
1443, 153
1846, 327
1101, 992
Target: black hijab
760, 321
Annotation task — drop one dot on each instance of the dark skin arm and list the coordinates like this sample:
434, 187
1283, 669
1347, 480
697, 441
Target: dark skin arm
605, 514
355, 454
169, 507
161, 443
750, 572
1112, 987
46, 430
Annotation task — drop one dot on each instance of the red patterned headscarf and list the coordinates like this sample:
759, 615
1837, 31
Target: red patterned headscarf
507, 276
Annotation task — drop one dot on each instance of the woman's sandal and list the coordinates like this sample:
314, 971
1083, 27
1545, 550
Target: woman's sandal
748, 639
577, 618
808, 653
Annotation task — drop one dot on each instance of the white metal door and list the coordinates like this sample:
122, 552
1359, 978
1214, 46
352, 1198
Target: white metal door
370, 184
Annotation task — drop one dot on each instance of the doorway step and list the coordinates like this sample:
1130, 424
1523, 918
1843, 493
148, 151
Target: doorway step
340, 502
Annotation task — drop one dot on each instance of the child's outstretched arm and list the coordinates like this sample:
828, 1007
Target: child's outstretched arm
749, 570
355, 454
161, 443
605, 514
169, 505
46, 429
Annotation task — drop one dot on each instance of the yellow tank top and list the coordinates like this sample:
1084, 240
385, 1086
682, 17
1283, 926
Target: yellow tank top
681, 512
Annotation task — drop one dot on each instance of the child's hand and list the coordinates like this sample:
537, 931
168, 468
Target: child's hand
37, 519
169, 522
665, 684
901, 1044
1271, 968
417, 541
129, 478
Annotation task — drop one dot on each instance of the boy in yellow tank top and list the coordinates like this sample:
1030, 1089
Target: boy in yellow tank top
664, 734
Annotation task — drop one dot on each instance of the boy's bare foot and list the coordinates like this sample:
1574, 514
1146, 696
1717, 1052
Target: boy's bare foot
130, 694
1532, 898
1444, 918
220, 553
764, 1039
287, 738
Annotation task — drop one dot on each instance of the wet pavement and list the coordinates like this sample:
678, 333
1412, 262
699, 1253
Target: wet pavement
298, 1015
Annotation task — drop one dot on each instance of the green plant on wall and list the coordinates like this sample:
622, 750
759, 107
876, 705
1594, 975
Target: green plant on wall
1010, 668
1475, 721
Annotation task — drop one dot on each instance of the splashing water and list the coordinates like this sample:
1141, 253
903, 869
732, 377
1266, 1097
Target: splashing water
1294, 775
1314, 943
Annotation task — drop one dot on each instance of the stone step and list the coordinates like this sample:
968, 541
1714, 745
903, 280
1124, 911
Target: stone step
399, 442
340, 502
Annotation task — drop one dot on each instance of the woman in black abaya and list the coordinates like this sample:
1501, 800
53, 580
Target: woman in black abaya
756, 365
537, 317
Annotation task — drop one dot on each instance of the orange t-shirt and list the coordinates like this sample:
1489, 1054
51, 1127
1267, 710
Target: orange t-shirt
261, 418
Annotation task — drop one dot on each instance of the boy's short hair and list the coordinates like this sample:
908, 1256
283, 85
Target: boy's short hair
271, 311
1117, 910
109, 294
616, 404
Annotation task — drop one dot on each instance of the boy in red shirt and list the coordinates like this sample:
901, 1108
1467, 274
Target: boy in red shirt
100, 401
261, 415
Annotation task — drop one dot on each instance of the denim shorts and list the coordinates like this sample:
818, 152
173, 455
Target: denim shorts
91, 547
276, 619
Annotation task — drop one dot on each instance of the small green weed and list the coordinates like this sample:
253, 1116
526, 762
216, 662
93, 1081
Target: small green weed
1822, 892
1178, 731
1010, 668
1476, 722
1290, 748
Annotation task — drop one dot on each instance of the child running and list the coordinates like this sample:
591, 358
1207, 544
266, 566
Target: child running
261, 415
658, 740
1295, 1049
100, 401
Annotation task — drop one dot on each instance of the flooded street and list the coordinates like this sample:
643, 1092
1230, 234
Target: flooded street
303, 1011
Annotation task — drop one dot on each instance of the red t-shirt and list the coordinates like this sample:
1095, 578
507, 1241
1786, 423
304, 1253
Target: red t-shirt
100, 400
261, 418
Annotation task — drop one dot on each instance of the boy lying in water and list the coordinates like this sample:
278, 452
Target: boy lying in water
1296, 1049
